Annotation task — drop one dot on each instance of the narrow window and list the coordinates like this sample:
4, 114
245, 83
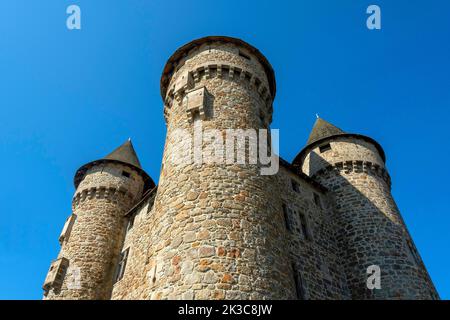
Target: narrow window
286, 217
131, 222
295, 186
324, 148
121, 266
262, 118
317, 200
299, 290
413, 253
126, 174
243, 55
225, 70
304, 226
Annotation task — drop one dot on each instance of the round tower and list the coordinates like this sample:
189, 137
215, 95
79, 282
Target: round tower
216, 226
91, 239
369, 226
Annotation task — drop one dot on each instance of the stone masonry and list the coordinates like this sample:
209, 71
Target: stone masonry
223, 230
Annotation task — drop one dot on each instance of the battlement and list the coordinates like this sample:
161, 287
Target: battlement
223, 70
221, 231
357, 166
109, 193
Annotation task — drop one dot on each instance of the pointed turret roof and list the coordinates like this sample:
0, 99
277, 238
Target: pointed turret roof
323, 129
125, 153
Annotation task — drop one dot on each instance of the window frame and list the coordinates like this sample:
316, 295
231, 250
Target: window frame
325, 147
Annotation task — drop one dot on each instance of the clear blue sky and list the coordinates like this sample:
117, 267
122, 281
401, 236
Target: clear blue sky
69, 97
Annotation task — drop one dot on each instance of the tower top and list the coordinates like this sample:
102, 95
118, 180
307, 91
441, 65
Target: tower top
323, 131
124, 154
170, 66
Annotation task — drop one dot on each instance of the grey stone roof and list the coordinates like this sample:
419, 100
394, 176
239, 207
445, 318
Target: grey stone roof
323, 129
126, 154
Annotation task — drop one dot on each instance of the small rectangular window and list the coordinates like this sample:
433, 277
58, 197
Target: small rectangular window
324, 148
262, 118
295, 186
299, 289
317, 200
413, 253
122, 264
287, 220
304, 226
126, 174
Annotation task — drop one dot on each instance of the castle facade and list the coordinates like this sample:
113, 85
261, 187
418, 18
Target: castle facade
224, 230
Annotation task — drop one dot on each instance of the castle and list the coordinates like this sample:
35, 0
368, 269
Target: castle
224, 231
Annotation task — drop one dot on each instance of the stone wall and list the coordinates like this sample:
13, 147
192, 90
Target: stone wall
215, 230
224, 231
315, 254
370, 230
93, 244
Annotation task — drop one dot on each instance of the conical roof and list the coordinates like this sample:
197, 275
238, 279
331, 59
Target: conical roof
323, 129
125, 153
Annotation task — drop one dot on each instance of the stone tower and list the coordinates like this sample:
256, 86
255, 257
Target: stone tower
370, 228
219, 226
215, 230
92, 236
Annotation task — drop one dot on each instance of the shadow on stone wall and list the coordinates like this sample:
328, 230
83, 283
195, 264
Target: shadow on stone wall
370, 231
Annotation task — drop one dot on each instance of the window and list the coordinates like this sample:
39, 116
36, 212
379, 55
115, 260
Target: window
413, 255
299, 289
131, 222
295, 186
243, 55
257, 82
126, 174
122, 265
262, 118
304, 226
317, 200
324, 148
287, 220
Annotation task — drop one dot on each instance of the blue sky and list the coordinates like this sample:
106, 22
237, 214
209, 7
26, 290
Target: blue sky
69, 97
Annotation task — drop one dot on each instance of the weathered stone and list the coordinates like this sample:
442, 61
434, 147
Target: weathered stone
224, 231
206, 251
